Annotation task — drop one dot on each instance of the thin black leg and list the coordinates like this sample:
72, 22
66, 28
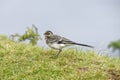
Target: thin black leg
59, 52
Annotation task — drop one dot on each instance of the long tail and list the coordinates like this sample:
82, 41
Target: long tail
67, 41
84, 45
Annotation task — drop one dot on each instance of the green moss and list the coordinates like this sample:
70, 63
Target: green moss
19, 61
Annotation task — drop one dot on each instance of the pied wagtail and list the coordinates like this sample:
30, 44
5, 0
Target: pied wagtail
57, 42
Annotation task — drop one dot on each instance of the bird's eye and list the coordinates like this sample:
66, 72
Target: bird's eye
48, 33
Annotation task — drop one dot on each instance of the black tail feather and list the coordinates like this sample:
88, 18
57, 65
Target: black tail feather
84, 45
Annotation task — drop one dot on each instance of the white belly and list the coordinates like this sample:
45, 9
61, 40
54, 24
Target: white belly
57, 46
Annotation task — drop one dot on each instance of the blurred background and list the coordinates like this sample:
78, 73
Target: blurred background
94, 22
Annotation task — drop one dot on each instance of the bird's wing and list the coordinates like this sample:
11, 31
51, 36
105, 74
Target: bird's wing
65, 41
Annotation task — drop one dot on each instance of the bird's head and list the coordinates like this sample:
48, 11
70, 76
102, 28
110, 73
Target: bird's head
48, 34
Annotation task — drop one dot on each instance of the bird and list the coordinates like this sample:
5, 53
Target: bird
58, 42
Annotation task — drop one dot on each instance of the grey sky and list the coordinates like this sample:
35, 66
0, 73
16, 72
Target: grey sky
94, 22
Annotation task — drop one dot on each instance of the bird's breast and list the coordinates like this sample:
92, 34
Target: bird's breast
56, 46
